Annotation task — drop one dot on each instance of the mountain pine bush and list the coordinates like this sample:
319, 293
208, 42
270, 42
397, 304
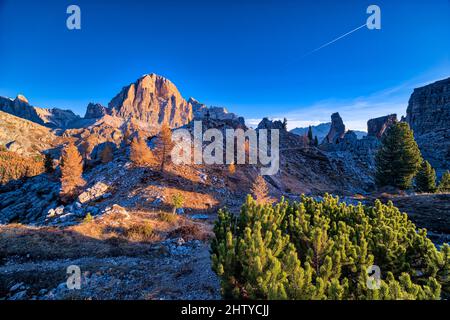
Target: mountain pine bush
444, 184
426, 178
321, 250
398, 159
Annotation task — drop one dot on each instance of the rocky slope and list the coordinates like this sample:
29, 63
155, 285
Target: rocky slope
24, 137
428, 114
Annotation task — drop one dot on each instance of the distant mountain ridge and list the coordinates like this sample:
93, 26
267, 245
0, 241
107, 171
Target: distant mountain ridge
321, 130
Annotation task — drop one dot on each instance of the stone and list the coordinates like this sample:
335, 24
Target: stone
59, 210
378, 126
95, 111
17, 286
337, 129
93, 193
199, 216
21, 295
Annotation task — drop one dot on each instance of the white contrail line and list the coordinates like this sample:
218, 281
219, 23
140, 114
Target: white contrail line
333, 41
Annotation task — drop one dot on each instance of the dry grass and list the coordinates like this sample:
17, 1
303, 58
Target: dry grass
109, 235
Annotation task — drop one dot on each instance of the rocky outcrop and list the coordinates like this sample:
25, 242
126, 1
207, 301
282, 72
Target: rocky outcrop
337, 129
152, 99
54, 118
95, 111
24, 137
377, 127
428, 114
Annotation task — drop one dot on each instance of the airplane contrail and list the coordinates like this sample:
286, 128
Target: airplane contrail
333, 41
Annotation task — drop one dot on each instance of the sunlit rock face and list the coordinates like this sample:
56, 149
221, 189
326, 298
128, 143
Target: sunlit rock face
428, 114
378, 126
153, 99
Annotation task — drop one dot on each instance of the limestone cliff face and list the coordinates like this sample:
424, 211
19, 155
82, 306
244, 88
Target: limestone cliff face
95, 111
428, 114
377, 127
152, 99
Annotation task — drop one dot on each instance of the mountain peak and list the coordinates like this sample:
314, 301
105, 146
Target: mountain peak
22, 98
152, 99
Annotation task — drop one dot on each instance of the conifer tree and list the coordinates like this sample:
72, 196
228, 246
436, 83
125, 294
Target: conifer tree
106, 155
140, 153
125, 138
48, 163
284, 124
164, 146
310, 135
316, 141
260, 191
71, 171
444, 184
426, 178
398, 158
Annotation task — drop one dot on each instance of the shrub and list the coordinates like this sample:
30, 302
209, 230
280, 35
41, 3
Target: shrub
322, 249
167, 217
444, 184
260, 191
398, 158
426, 178
14, 166
140, 153
177, 201
140, 232
88, 218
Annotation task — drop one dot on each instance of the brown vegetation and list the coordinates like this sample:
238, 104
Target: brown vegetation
260, 191
164, 146
140, 153
14, 166
71, 171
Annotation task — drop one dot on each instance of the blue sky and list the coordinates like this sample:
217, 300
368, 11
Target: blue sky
247, 55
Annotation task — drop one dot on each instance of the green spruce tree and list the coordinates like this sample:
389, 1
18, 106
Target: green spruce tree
444, 184
398, 159
310, 135
426, 178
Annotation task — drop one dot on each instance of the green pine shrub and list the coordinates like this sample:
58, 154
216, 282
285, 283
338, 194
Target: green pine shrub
322, 249
444, 184
426, 178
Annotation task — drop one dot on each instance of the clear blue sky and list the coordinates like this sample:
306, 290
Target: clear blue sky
247, 55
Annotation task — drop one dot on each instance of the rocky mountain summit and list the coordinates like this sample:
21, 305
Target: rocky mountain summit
153, 99
428, 114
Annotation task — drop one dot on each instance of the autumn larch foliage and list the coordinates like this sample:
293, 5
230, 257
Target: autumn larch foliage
14, 166
231, 169
140, 153
71, 171
106, 155
164, 146
260, 191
